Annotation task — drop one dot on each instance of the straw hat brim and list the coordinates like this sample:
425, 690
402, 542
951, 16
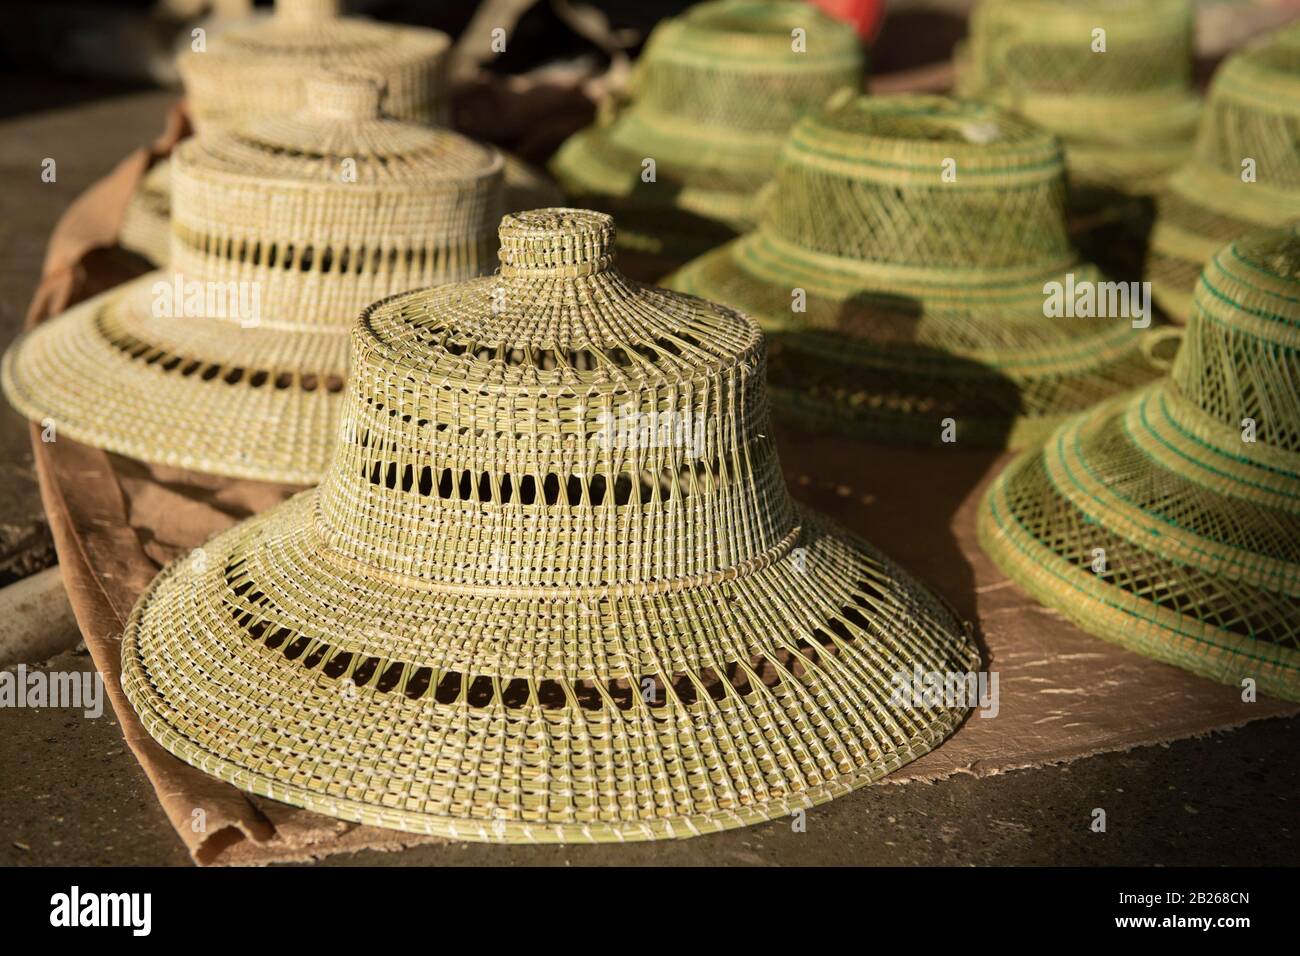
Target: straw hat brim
1197, 214
1137, 169
890, 358
1131, 144
1193, 576
269, 661
256, 403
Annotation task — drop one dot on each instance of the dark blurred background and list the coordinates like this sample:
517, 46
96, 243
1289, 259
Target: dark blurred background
130, 44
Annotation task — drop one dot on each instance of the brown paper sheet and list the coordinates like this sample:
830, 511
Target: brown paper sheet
1063, 695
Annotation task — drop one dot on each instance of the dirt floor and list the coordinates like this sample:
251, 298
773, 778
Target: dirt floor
73, 794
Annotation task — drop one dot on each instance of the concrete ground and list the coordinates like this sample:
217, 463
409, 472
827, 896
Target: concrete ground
73, 794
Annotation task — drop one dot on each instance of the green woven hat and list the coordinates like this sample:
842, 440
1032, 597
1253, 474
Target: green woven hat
1112, 78
1250, 129
552, 588
710, 101
1169, 521
919, 235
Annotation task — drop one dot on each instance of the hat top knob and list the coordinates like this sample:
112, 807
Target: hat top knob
556, 242
346, 94
308, 11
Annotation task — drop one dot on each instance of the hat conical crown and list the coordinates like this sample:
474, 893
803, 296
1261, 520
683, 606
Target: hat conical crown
1240, 357
921, 183
556, 426
333, 207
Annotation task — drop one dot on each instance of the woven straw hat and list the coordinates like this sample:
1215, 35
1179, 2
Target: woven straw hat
1252, 113
249, 70
234, 363
925, 293
504, 616
1127, 115
255, 70
1151, 521
711, 99
146, 224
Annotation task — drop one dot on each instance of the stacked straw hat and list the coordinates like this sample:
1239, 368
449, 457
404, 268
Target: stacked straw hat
255, 70
1244, 174
903, 261
250, 70
710, 101
1112, 78
255, 67
234, 362
553, 587
1169, 521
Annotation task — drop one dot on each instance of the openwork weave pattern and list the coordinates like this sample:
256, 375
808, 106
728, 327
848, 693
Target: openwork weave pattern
924, 295
1252, 113
711, 100
316, 216
251, 71
1196, 527
1127, 115
500, 619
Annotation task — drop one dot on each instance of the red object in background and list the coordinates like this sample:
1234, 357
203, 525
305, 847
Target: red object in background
863, 15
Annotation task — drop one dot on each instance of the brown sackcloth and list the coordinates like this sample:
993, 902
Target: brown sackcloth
1063, 695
